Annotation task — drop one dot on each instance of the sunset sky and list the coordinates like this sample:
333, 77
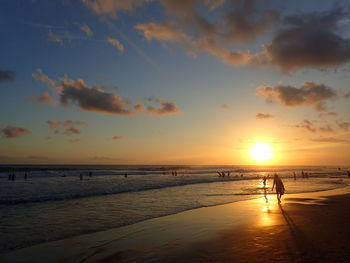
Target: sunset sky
174, 81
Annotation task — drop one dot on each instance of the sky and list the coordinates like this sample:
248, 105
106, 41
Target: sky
174, 81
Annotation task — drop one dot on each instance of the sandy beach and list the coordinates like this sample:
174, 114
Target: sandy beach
308, 227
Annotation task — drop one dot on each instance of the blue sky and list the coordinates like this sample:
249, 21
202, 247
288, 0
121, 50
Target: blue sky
178, 83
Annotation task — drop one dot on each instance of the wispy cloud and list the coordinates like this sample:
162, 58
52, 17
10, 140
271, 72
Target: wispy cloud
39, 75
86, 29
55, 38
329, 140
116, 43
262, 116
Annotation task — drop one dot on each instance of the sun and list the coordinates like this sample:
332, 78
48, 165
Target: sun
261, 152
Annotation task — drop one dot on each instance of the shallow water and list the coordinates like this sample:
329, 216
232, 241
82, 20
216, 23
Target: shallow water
48, 206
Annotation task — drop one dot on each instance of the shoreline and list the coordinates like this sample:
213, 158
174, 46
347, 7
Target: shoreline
166, 238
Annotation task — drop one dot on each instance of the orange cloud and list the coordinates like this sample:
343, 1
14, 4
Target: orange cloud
112, 7
162, 31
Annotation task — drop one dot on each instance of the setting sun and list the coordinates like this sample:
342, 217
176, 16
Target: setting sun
261, 152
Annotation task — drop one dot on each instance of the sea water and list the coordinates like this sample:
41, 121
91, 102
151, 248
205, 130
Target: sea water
53, 203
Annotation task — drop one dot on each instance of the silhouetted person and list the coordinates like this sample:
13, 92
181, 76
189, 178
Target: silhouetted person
302, 174
25, 176
90, 174
228, 173
264, 181
81, 177
295, 176
279, 187
126, 175
349, 173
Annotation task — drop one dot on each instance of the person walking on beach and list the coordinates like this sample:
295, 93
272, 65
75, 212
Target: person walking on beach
279, 187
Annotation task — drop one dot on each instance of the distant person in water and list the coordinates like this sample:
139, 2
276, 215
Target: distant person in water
81, 177
279, 187
126, 175
295, 176
264, 180
349, 173
25, 176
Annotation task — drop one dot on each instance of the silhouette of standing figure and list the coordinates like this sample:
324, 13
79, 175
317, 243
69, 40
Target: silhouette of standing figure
264, 181
279, 187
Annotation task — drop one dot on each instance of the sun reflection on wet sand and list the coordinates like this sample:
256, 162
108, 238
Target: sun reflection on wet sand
268, 208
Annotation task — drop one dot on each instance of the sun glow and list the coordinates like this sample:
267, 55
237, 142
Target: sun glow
261, 152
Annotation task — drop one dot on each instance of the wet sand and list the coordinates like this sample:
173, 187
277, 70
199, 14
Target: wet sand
309, 227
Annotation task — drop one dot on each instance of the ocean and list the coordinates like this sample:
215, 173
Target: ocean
54, 203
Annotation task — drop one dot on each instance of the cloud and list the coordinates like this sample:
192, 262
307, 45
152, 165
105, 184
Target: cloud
262, 116
329, 140
116, 43
112, 7
14, 132
43, 99
117, 137
224, 107
86, 29
309, 40
310, 94
55, 38
307, 125
67, 123
66, 127
7, 75
39, 75
166, 108
336, 127
71, 130
94, 99
239, 22
306, 40
161, 31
